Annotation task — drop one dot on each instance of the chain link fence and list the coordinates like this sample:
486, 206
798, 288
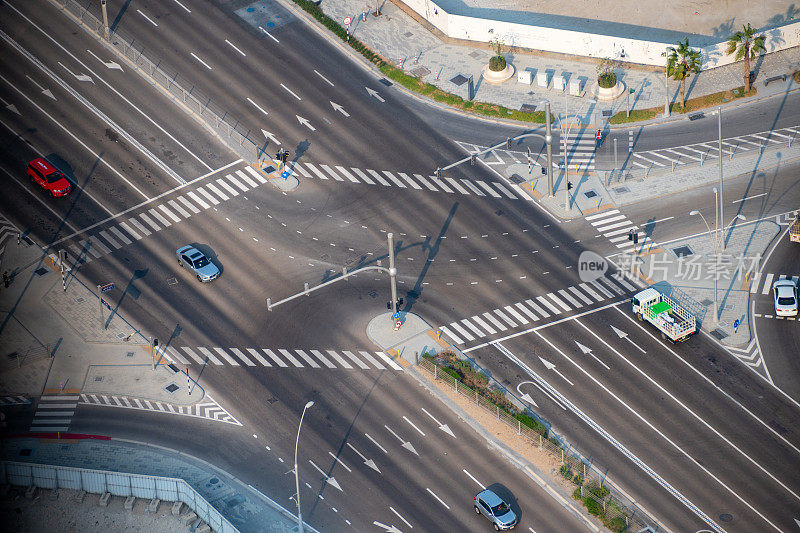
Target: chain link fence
180, 90
592, 486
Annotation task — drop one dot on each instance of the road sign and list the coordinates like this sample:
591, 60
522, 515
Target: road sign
347, 21
736, 325
103, 302
107, 287
397, 324
397, 316
285, 174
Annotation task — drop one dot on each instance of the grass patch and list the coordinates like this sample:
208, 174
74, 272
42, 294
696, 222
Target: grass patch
636, 116
692, 105
796, 76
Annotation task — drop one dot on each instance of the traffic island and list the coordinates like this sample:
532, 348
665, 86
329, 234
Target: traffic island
282, 178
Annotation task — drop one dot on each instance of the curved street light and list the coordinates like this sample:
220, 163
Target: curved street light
296, 474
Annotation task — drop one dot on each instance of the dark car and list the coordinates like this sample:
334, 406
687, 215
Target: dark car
196, 261
49, 177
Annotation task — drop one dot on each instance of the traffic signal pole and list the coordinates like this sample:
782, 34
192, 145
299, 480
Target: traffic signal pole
549, 141
392, 273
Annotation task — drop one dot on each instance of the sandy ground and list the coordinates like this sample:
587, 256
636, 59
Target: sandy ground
63, 513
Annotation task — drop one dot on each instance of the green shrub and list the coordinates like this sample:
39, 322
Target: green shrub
617, 525
451, 372
565, 471
607, 80
532, 423
578, 480
597, 490
576, 495
796, 76
592, 506
427, 355
497, 63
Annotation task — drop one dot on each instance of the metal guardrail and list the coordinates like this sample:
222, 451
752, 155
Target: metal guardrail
117, 483
594, 484
193, 100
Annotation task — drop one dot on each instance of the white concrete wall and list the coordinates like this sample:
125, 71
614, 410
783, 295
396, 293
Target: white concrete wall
582, 44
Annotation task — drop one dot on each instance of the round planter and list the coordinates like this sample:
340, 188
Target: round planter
612, 93
490, 76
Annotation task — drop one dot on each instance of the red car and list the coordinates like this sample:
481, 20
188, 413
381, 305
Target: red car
49, 177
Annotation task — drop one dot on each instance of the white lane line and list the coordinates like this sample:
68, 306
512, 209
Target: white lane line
291, 92
376, 443
148, 18
269, 34
201, 61
438, 498
401, 518
413, 426
339, 461
235, 48
183, 6
481, 485
323, 77
749, 198
257, 106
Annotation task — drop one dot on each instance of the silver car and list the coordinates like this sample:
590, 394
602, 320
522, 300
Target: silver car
193, 259
495, 509
785, 293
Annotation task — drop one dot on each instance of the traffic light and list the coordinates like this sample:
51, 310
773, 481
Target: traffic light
399, 302
633, 236
508, 143
544, 170
569, 185
472, 160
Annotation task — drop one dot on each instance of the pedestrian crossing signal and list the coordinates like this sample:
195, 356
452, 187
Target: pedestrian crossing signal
633, 236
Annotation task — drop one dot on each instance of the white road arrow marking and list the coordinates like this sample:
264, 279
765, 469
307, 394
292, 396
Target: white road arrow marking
587, 350
622, 335
11, 107
79, 77
374, 93
271, 137
340, 109
405, 444
305, 122
330, 479
369, 462
796, 521
45, 92
108, 64
389, 529
443, 427
524, 395
551, 366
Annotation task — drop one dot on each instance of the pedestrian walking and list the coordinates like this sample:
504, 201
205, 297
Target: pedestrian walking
598, 137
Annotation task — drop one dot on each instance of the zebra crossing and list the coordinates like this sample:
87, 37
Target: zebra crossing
409, 181
8, 231
616, 227
280, 358
762, 282
581, 147
150, 219
208, 408
54, 413
6, 401
536, 308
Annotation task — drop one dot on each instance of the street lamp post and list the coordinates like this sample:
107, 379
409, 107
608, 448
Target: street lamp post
666, 83
549, 142
392, 274
719, 133
296, 474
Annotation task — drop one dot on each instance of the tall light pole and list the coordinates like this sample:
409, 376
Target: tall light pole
105, 20
719, 133
296, 474
392, 273
548, 139
666, 82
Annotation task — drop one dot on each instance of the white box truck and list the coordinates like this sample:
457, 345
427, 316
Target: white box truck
673, 321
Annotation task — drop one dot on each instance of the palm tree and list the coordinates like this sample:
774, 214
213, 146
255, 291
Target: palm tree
746, 45
681, 63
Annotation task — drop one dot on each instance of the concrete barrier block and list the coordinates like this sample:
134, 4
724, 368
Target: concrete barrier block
542, 79
177, 507
525, 77
30, 492
575, 86
104, 499
129, 501
79, 496
205, 528
558, 83
188, 518
152, 507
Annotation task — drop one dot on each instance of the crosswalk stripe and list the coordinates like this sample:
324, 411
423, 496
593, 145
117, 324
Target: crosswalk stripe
193, 208
568, 297
225, 185
200, 201
210, 356
496, 323
90, 248
409, 180
469, 324
441, 184
325, 360
347, 174
622, 281
372, 360
591, 292
472, 187
332, 174
341, 360
181, 211
558, 301
524, 309
307, 358
155, 214
611, 285
257, 175
456, 186
291, 358
238, 353
225, 356
169, 213
175, 356
513, 312
426, 182
208, 195
258, 356
767, 283
130, 230
99, 244
505, 191
363, 176
604, 214
193, 355
580, 295
450, 334
754, 282
278, 360
555, 310
616, 232
389, 361
488, 189
149, 222
609, 220
484, 325
355, 359
246, 179
121, 236
601, 289
77, 252
394, 179
222, 195
236, 182
379, 178
505, 318
624, 223
139, 226
466, 334
301, 168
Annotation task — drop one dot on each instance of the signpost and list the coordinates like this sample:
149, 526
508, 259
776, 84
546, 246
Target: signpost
628, 97
107, 287
347, 21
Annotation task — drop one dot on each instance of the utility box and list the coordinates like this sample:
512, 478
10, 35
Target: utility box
525, 77
542, 79
558, 83
575, 87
